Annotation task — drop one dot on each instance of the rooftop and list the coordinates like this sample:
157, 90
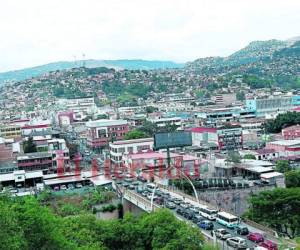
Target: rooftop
36, 155
104, 123
286, 142
132, 141
271, 175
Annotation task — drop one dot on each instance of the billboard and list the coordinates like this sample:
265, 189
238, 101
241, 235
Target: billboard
172, 140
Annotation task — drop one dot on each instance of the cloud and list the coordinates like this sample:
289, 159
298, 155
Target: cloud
35, 32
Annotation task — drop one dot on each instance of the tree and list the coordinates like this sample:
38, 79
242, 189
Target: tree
240, 96
278, 208
292, 178
135, 134
282, 166
149, 128
249, 157
233, 157
282, 121
29, 146
150, 109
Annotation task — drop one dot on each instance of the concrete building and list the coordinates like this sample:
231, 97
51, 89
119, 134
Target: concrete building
80, 106
230, 137
285, 148
35, 161
164, 122
291, 132
262, 107
101, 132
120, 148
10, 131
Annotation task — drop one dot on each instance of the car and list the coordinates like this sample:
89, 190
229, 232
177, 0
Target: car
188, 214
78, 185
237, 242
145, 193
184, 204
14, 191
206, 224
170, 205
242, 230
141, 178
125, 184
197, 218
255, 237
180, 211
194, 209
70, 186
177, 201
56, 188
222, 234
131, 187
270, 245
159, 200
63, 187
149, 196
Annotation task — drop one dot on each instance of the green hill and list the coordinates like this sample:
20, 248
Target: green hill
23, 74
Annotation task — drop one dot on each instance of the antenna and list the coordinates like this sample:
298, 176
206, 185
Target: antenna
83, 60
74, 61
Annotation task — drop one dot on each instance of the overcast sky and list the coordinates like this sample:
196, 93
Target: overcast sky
35, 32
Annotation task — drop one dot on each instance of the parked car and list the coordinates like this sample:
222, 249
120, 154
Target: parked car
222, 234
56, 188
63, 187
242, 230
70, 186
170, 205
270, 245
237, 242
78, 185
206, 224
256, 237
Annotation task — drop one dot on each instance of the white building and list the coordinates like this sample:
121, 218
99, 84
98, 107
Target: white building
163, 122
119, 148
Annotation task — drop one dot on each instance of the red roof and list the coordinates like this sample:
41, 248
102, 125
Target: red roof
35, 126
203, 130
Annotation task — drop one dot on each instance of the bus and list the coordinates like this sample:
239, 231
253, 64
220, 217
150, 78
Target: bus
208, 213
227, 219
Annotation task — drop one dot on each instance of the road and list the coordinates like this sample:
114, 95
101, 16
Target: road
207, 232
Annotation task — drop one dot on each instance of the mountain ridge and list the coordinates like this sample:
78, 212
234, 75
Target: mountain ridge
26, 73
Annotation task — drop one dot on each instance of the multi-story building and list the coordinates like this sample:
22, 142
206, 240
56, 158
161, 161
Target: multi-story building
164, 122
35, 161
10, 131
285, 148
230, 137
101, 132
265, 106
291, 132
213, 116
119, 148
204, 135
227, 137
80, 106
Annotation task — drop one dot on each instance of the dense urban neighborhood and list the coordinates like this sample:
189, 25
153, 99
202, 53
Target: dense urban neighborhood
202, 155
